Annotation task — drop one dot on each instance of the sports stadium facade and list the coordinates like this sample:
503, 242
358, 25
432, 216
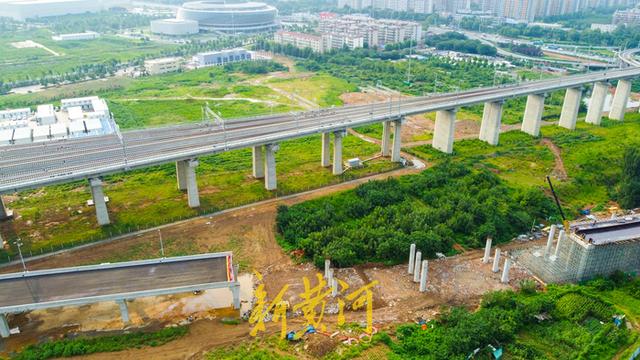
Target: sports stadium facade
230, 16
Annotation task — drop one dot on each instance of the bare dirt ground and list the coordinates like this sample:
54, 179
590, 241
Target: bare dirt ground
559, 170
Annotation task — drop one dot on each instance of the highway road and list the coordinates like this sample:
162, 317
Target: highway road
629, 57
36, 289
39, 164
494, 40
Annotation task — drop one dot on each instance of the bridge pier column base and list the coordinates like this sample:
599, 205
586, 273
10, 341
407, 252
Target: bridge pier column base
257, 153
235, 292
5, 214
533, 114
620, 99
397, 141
386, 138
491, 121
270, 180
193, 196
570, 108
445, 128
124, 311
337, 152
596, 104
326, 150
99, 202
4, 326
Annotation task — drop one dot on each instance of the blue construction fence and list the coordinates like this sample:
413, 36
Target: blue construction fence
635, 354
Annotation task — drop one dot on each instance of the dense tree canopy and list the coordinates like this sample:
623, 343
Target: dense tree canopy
629, 192
459, 42
448, 204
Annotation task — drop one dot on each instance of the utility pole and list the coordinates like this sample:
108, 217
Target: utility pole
161, 243
19, 244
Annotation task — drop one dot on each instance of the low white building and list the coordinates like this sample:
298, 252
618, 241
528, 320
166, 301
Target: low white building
221, 57
174, 27
45, 114
22, 135
163, 65
88, 116
87, 35
14, 114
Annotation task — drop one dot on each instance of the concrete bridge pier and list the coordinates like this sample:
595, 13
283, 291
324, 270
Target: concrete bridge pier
4, 326
5, 214
491, 121
416, 268
99, 202
193, 196
412, 257
270, 180
257, 154
124, 311
326, 150
570, 108
487, 251
181, 175
533, 114
505, 270
424, 273
496, 261
443, 134
596, 104
620, 99
337, 152
397, 141
560, 240
552, 234
386, 138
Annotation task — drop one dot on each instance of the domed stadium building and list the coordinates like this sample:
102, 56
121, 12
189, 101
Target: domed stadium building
229, 15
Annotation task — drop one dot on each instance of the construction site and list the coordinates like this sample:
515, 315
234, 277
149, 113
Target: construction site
588, 249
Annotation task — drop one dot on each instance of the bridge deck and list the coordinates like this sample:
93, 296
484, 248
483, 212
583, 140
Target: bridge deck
86, 284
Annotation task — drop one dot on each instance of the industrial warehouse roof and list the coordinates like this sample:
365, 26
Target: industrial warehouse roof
610, 231
105, 282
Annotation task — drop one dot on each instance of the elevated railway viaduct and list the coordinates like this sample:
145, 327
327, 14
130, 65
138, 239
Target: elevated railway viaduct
39, 164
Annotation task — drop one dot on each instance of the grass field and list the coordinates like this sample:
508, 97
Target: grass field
29, 63
324, 90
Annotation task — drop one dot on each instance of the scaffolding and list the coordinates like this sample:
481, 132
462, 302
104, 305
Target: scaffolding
578, 256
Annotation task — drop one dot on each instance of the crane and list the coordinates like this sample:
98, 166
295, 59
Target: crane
565, 222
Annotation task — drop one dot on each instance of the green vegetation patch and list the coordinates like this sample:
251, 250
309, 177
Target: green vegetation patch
565, 322
323, 90
441, 206
100, 344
